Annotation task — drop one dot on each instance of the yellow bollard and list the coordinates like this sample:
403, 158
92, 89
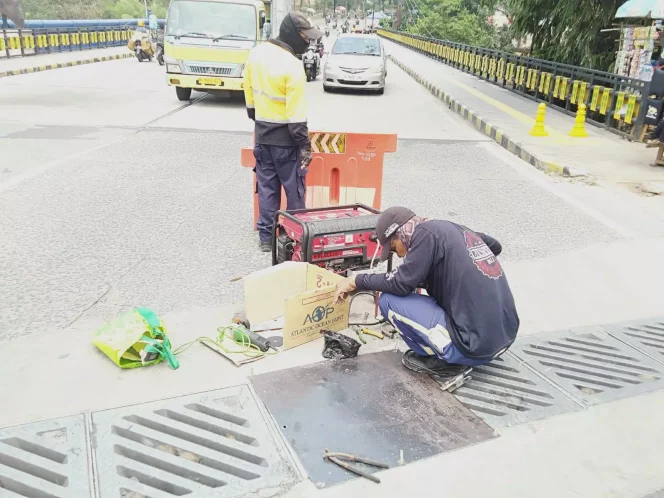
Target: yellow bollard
539, 130
579, 129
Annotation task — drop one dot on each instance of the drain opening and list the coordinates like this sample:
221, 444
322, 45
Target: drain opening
23, 489
34, 470
192, 438
151, 481
182, 453
36, 449
167, 467
206, 426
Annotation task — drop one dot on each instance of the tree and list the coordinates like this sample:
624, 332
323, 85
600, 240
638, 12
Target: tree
567, 31
461, 21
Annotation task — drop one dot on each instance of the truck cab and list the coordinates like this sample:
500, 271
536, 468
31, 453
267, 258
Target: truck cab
207, 42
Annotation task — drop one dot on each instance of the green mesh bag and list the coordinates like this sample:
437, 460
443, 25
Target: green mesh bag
135, 339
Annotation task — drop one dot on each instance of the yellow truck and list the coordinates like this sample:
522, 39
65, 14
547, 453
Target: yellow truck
206, 43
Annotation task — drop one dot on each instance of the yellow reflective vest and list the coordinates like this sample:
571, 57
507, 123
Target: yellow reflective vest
274, 85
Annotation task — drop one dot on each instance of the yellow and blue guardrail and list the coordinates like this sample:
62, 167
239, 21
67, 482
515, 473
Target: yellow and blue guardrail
43, 37
614, 102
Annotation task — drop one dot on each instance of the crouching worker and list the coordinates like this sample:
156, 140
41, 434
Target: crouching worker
468, 317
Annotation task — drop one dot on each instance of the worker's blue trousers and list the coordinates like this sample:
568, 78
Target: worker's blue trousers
422, 325
277, 167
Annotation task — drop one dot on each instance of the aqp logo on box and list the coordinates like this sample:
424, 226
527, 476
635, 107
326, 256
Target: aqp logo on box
302, 293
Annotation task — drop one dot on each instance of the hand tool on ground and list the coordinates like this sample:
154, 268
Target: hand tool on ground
453, 382
242, 334
341, 459
360, 335
376, 333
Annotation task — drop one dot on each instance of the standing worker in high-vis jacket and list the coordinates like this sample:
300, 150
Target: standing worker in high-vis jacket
274, 85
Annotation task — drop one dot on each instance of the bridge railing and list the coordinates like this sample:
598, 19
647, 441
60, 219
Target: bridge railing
43, 37
614, 102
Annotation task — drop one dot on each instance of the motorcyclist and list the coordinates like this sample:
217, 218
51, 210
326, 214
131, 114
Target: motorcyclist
140, 28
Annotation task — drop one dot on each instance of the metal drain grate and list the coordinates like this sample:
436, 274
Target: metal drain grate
505, 393
45, 460
646, 336
215, 444
590, 364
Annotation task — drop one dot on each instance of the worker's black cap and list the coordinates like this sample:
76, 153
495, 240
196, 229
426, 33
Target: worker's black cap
387, 225
304, 26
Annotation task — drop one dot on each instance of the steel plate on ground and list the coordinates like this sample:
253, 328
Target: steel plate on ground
215, 444
506, 392
644, 335
590, 364
45, 460
369, 406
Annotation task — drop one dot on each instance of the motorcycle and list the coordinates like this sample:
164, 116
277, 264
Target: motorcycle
344, 28
159, 53
321, 49
327, 31
141, 46
311, 60
334, 26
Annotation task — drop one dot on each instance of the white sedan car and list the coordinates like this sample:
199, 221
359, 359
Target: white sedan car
356, 62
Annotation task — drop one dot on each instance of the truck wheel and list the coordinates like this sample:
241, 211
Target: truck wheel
183, 94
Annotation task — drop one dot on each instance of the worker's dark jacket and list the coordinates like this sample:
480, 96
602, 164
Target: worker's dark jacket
459, 268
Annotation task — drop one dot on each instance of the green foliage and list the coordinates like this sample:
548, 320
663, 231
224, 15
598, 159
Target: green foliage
124, 9
461, 21
568, 30
92, 9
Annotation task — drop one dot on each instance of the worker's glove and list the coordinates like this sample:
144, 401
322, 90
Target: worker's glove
305, 154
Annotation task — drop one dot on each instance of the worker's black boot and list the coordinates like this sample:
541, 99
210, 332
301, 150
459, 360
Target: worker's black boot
431, 365
265, 246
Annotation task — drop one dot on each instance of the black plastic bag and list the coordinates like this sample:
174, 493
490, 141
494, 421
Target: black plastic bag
338, 346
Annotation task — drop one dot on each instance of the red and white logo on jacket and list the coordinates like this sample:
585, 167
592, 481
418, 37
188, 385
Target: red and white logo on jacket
482, 256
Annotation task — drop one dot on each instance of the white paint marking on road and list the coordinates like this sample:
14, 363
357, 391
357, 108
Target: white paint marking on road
12, 182
28, 175
542, 180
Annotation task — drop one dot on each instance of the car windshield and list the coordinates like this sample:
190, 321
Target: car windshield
216, 20
357, 46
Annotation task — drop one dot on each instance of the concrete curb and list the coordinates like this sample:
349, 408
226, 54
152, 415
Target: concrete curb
47, 67
487, 128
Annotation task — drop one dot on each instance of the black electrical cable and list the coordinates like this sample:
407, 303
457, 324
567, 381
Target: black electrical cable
368, 293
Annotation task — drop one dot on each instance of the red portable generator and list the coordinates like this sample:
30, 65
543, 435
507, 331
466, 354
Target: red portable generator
338, 238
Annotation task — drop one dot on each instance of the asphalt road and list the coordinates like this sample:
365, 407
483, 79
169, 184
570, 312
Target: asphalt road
114, 194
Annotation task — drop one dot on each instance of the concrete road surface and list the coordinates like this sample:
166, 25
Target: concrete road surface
114, 194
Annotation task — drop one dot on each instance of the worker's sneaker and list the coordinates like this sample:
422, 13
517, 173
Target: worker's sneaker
431, 365
265, 246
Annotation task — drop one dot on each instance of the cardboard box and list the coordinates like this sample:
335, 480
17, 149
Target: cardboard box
302, 293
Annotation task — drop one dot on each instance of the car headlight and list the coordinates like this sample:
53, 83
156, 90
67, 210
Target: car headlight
378, 69
173, 68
